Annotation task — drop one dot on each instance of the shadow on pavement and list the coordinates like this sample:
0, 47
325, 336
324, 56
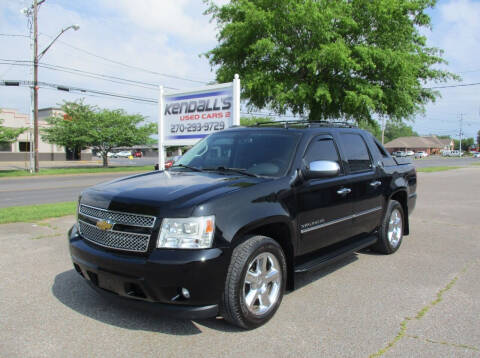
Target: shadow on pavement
304, 279
70, 289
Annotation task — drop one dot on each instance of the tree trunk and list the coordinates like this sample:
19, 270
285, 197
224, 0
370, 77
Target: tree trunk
105, 160
315, 112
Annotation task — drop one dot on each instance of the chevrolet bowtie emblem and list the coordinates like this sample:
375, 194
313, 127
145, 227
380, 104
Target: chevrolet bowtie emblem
105, 225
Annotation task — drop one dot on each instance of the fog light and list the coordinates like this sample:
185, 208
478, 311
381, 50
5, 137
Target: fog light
185, 293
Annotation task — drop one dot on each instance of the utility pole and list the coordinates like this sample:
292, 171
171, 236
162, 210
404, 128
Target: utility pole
35, 85
461, 132
33, 12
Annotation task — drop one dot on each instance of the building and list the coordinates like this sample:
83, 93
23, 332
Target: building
431, 145
20, 150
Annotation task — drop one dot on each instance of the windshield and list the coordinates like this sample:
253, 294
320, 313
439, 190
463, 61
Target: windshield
264, 153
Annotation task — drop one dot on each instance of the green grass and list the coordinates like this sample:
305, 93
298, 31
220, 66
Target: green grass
31, 213
435, 169
63, 171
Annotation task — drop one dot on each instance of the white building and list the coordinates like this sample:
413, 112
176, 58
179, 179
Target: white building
20, 150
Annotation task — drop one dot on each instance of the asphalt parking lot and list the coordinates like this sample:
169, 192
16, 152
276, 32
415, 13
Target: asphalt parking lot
423, 301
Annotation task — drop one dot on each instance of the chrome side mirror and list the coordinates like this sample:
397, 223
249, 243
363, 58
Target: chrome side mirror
322, 169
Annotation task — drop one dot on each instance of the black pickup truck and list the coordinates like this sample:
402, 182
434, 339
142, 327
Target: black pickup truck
225, 230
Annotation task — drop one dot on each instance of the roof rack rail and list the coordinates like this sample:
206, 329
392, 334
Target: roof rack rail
305, 123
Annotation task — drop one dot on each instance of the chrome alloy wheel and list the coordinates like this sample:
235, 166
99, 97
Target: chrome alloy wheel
261, 287
395, 227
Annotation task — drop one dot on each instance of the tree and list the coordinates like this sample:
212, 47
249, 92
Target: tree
394, 129
478, 138
101, 129
9, 135
466, 143
328, 58
246, 122
373, 127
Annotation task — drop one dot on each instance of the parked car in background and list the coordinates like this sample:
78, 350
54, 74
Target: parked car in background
171, 161
109, 155
409, 153
137, 154
446, 153
476, 155
399, 154
123, 154
421, 154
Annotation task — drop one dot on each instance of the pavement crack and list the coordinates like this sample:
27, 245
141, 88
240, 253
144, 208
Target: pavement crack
428, 340
421, 313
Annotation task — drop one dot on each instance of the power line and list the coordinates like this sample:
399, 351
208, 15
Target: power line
79, 90
100, 96
458, 85
127, 65
78, 72
14, 35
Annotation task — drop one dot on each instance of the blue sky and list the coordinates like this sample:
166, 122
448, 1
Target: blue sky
167, 36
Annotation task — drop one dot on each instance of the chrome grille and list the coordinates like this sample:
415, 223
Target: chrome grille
118, 217
114, 239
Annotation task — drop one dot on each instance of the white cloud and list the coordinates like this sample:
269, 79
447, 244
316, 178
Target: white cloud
459, 31
174, 18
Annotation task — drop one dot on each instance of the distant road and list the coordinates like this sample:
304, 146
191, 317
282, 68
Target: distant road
48, 189
444, 161
54, 189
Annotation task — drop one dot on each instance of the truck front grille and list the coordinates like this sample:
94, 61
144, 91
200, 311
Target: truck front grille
118, 217
114, 238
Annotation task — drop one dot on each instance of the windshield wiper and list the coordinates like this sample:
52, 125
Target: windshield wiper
233, 170
187, 167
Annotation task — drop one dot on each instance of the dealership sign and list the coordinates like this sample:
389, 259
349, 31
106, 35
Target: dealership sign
190, 115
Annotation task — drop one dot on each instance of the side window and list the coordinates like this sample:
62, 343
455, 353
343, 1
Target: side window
322, 149
356, 152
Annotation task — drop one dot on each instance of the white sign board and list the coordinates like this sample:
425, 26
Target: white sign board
188, 116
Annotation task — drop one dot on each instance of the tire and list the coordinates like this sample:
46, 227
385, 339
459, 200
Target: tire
389, 241
249, 302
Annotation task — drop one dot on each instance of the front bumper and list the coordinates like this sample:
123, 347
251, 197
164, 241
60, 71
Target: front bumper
155, 280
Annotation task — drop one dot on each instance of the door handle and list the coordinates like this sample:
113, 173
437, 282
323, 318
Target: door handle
375, 183
344, 191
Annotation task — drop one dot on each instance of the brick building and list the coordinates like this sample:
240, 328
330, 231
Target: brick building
431, 145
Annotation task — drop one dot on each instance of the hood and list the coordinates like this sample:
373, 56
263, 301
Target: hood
164, 193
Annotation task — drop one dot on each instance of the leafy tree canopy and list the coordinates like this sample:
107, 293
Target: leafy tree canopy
8, 135
245, 121
467, 143
329, 59
102, 129
395, 130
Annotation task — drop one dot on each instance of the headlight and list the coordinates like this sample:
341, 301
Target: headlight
189, 233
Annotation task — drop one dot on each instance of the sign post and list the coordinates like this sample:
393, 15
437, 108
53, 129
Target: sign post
187, 116
161, 148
